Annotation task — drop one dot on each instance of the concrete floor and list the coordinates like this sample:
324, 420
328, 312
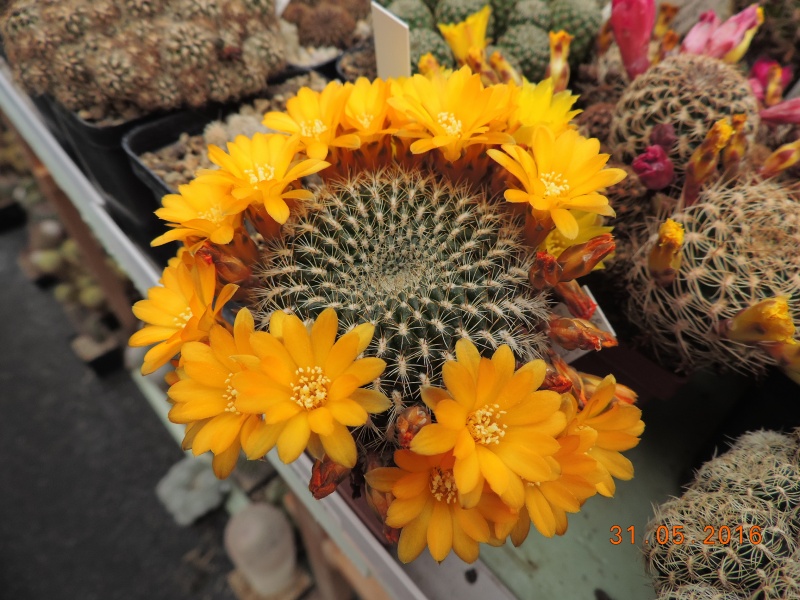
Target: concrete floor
79, 519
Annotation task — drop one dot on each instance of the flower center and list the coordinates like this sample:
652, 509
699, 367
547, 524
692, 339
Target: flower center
554, 184
365, 120
448, 121
443, 485
230, 394
183, 318
213, 214
260, 173
311, 389
483, 425
313, 128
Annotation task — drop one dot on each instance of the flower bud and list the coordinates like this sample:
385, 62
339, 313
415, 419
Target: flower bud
578, 302
229, 268
408, 424
469, 33
666, 15
428, 65
580, 259
704, 160
632, 22
558, 69
622, 393
578, 334
379, 501
654, 168
326, 475
784, 112
476, 61
505, 71
783, 158
545, 271
736, 149
663, 135
766, 321
665, 257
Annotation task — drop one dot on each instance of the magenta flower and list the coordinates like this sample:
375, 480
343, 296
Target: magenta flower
787, 111
760, 71
654, 168
727, 41
632, 23
698, 37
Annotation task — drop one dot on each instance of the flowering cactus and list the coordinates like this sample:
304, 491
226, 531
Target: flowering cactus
727, 41
654, 168
632, 23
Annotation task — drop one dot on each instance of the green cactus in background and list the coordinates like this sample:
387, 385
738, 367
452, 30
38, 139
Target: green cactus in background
455, 11
427, 262
423, 41
530, 46
413, 12
531, 12
582, 20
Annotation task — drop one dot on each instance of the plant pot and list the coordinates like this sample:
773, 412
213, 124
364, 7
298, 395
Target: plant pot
346, 74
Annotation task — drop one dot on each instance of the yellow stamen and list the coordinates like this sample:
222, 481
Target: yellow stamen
230, 395
483, 425
311, 389
554, 184
448, 121
260, 173
443, 485
313, 128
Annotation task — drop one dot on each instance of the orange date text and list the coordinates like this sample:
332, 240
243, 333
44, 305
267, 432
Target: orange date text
721, 535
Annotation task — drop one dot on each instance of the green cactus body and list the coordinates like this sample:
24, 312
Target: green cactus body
426, 262
690, 93
501, 12
531, 12
455, 11
582, 20
423, 41
783, 582
740, 248
413, 12
530, 46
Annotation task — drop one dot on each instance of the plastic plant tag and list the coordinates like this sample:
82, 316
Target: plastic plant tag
598, 319
392, 43
280, 6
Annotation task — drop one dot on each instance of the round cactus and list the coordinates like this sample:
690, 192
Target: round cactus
423, 41
413, 12
428, 264
530, 46
687, 91
783, 581
501, 11
581, 19
327, 25
531, 12
455, 11
696, 591
740, 248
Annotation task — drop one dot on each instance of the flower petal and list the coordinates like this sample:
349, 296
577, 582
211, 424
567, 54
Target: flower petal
320, 420
413, 537
440, 531
294, 438
340, 446
433, 439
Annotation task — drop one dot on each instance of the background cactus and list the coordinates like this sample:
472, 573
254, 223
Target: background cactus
422, 41
689, 92
741, 568
455, 11
413, 12
327, 25
740, 247
529, 45
530, 12
581, 19
429, 263
121, 58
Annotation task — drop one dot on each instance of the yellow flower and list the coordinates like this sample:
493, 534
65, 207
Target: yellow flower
537, 105
366, 109
589, 226
664, 259
200, 210
499, 427
260, 169
205, 392
313, 118
468, 34
451, 112
618, 427
563, 172
765, 321
182, 309
308, 387
427, 508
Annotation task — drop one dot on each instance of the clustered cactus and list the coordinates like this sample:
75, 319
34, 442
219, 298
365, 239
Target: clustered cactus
413, 12
689, 92
756, 485
740, 247
530, 46
426, 261
128, 57
424, 41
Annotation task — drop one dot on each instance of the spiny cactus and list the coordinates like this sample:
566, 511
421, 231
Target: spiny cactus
696, 591
530, 46
531, 12
740, 247
427, 262
413, 12
455, 11
327, 25
689, 92
501, 11
783, 582
423, 41
581, 19
745, 563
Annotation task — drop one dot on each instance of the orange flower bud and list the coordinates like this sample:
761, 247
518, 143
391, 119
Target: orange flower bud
579, 260
765, 321
622, 393
665, 257
703, 162
408, 424
666, 15
558, 68
325, 476
538, 225
545, 272
578, 302
563, 374
783, 158
556, 382
476, 60
505, 71
774, 92
263, 223
579, 334
787, 355
668, 43
428, 65
737, 146
230, 269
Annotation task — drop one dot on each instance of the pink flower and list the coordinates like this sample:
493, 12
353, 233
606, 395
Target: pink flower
787, 111
760, 71
757, 88
698, 37
632, 22
654, 168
